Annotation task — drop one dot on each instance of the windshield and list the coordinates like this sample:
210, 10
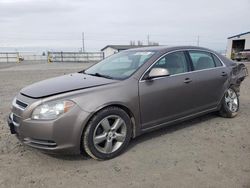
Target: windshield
121, 65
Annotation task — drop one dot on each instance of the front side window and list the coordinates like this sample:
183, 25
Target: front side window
121, 65
175, 63
202, 60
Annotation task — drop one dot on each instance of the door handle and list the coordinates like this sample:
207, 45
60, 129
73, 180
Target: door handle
223, 74
187, 80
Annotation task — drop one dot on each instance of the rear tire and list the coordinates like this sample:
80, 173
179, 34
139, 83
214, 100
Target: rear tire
107, 134
230, 104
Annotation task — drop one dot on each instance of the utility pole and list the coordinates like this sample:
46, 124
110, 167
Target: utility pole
198, 40
148, 39
83, 45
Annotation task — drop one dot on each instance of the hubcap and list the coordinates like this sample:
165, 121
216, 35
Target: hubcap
231, 100
109, 134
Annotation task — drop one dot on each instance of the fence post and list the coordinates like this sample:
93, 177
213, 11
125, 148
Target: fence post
18, 60
62, 56
49, 59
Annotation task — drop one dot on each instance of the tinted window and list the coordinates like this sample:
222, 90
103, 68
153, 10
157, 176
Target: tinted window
201, 60
217, 61
175, 63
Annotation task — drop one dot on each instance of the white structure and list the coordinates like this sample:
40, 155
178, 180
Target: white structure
237, 43
112, 49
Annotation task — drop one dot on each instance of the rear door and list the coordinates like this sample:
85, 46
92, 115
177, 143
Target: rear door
209, 76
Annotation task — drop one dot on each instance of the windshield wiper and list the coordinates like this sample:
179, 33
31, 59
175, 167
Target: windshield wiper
100, 75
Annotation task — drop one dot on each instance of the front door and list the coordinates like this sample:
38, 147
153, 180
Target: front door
167, 98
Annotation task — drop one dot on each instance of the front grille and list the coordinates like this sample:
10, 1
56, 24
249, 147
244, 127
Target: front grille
16, 119
21, 104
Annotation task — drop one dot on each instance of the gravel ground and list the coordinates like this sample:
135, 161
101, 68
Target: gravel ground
209, 151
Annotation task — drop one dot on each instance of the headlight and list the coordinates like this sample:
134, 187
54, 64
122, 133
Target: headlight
52, 110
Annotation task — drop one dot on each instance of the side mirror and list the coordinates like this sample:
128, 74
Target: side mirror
157, 72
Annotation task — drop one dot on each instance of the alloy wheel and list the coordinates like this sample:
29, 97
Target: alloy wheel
231, 100
109, 134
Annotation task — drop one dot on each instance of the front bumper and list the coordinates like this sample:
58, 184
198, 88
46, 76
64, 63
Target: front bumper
11, 124
62, 135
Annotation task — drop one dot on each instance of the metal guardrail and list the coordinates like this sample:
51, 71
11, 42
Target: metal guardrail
9, 57
75, 57
82, 57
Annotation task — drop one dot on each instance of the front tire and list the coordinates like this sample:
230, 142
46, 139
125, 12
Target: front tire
107, 134
230, 104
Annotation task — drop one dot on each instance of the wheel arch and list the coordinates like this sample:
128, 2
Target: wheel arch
123, 107
226, 86
230, 85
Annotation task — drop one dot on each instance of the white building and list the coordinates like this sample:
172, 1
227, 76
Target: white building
112, 49
237, 43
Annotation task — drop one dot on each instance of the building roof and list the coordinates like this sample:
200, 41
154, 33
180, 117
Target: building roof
239, 35
122, 47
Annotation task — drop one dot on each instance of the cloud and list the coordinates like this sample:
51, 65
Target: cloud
59, 23
14, 8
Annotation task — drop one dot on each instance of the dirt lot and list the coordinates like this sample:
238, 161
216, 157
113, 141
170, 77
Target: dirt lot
206, 152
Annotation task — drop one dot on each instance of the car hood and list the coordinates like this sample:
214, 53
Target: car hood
63, 84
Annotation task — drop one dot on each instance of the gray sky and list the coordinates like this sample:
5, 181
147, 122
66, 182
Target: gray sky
57, 24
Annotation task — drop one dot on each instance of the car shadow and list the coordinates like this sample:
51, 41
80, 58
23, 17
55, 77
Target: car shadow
145, 137
69, 157
171, 129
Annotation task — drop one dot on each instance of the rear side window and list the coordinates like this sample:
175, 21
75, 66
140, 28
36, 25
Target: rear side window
201, 60
217, 61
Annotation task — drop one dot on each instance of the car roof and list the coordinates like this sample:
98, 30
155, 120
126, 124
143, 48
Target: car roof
167, 48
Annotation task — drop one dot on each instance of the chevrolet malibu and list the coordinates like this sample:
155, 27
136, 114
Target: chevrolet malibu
100, 109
